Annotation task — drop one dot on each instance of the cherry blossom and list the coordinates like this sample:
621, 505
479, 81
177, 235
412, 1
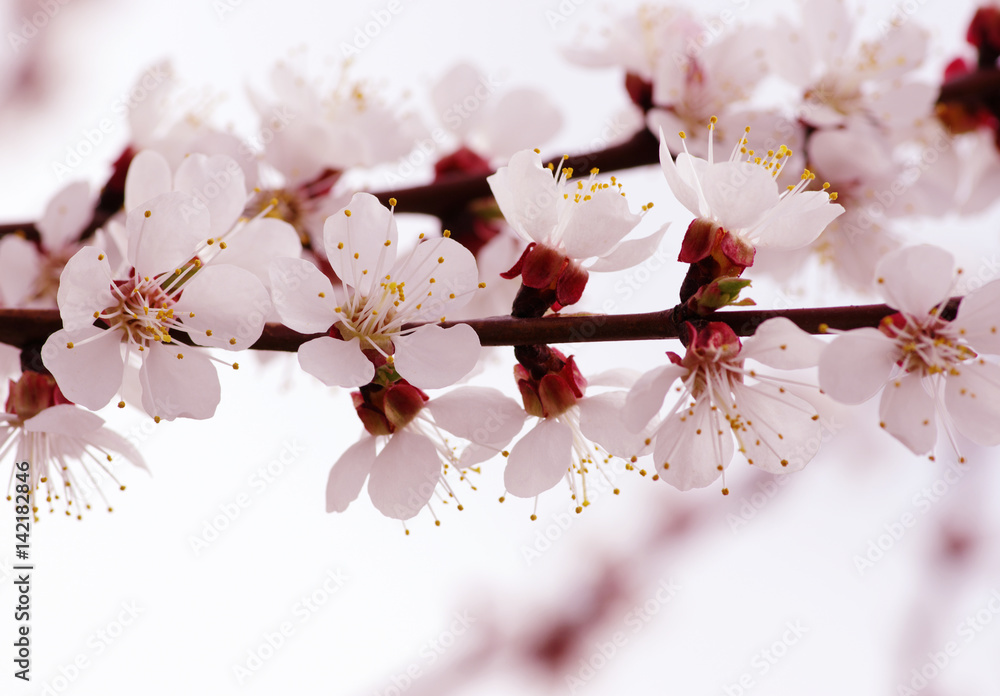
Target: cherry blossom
695, 441
173, 282
739, 206
382, 292
575, 435
69, 449
29, 272
407, 455
566, 224
928, 367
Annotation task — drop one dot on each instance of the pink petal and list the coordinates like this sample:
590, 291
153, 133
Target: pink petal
601, 423
216, 183
453, 268
90, 373
148, 176
357, 243
855, 366
597, 225
915, 279
777, 432
973, 401
978, 319
336, 363
178, 388
84, 288
907, 413
526, 195
629, 253
481, 415
738, 193
506, 131
259, 243
228, 301
646, 397
20, 264
65, 216
433, 357
296, 287
348, 475
539, 459
680, 185
781, 344
169, 236
65, 419
692, 445
404, 475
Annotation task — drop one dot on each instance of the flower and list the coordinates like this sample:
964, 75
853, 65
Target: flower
380, 295
173, 282
406, 456
739, 207
575, 434
694, 442
29, 271
67, 448
928, 367
566, 224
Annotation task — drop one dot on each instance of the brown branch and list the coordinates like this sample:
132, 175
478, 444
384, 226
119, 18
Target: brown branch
22, 328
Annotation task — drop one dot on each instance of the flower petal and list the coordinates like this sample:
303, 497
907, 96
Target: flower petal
693, 447
440, 275
228, 301
907, 413
259, 243
65, 419
539, 459
348, 474
774, 427
404, 475
91, 372
978, 319
216, 183
178, 388
65, 216
21, 263
336, 363
738, 193
84, 288
973, 400
356, 243
148, 176
856, 365
680, 185
915, 279
526, 194
433, 357
630, 253
646, 398
601, 423
481, 415
168, 237
303, 296
779, 343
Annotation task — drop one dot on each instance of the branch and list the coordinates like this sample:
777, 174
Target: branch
31, 327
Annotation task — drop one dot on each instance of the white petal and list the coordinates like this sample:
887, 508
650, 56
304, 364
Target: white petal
539, 459
597, 225
915, 279
738, 193
259, 243
505, 129
65, 216
692, 445
178, 388
168, 237
216, 183
973, 401
357, 243
907, 412
855, 366
336, 363
228, 301
526, 195
629, 253
148, 176
433, 357
296, 286
453, 270
349, 473
978, 319
796, 221
682, 189
84, 288
404, 475
781, 344
65, 419
90, 373
601, 423
481, 415
777, 429
646, 397
20, 263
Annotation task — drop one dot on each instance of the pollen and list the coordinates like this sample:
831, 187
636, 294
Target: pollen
232, 341
148, 213
100, 257
347, 212
392, 202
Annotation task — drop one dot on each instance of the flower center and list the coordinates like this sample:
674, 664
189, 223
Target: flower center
928, 348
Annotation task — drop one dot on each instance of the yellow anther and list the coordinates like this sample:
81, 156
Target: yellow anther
347, 212
446, 234
232, 341
392, 202
148, 213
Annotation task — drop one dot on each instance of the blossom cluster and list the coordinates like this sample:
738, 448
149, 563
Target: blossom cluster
202, 245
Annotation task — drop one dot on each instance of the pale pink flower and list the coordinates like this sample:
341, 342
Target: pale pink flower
694, 443
930, 368
381, 293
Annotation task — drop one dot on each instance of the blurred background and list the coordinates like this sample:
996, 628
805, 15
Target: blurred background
870, 572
